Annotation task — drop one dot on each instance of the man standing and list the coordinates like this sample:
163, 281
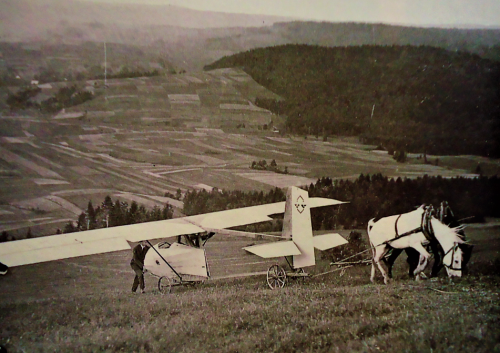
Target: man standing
137, 264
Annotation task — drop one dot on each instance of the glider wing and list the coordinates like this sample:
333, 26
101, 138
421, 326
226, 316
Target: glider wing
62, 246
248, 215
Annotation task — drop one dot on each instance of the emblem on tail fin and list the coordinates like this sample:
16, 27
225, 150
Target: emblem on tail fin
300, 204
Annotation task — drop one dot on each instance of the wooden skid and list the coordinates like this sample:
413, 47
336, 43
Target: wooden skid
186, 283
297, 274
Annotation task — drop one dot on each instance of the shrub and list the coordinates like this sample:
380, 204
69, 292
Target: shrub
355, 246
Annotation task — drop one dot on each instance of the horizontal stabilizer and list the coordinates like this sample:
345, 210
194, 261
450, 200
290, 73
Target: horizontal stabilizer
277, 249
328, 241
322, 202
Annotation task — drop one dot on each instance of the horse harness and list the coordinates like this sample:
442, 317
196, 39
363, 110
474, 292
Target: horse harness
453, 249
428, 231
425, 226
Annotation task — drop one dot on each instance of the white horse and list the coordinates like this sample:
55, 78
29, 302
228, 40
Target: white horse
407, 231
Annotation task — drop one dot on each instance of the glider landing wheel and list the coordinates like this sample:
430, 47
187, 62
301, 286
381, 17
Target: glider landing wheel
276, 277
165, 285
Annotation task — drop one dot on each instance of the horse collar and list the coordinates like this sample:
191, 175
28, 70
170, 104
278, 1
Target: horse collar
426, 224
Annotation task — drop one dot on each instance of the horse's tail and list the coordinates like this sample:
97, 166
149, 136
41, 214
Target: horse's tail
371, 223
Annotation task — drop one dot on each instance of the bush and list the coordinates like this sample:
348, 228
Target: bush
355, 246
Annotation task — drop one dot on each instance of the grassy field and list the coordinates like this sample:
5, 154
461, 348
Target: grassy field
242, 316
84, 305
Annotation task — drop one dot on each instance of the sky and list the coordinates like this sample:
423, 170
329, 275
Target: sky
447, 13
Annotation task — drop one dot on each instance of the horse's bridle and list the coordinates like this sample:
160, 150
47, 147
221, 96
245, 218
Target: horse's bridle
452, 249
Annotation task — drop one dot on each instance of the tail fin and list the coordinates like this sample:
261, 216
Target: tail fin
297, 226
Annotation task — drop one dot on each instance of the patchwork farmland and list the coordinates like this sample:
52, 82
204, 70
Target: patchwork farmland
141, 138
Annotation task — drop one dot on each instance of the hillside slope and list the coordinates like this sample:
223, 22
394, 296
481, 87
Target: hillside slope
420, 99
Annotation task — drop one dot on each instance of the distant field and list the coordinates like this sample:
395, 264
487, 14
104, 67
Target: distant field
131, 139
84, 305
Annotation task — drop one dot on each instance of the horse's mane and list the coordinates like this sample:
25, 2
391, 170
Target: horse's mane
459, 228
440, 227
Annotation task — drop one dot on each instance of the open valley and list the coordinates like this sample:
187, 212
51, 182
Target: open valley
200, 131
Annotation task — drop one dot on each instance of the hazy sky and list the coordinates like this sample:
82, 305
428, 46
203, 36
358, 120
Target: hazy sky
414, 12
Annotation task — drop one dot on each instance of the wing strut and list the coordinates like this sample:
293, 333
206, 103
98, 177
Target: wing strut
152, 247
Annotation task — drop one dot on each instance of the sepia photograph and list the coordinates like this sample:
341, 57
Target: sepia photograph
260, 176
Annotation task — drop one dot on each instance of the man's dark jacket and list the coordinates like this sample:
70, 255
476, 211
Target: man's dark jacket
139, 255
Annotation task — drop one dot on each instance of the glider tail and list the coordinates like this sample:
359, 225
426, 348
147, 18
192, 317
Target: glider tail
297, 226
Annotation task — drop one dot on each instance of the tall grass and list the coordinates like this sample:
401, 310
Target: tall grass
85, 305
329, 313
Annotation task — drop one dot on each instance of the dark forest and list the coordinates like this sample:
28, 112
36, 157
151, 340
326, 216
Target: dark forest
418, 99
368, 197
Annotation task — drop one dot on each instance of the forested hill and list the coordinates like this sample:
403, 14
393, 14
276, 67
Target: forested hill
420, 99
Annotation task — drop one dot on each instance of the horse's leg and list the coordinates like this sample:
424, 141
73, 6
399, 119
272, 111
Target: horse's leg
413, 260
380, 251
438, 259
372, 275
420, 275
389, 261
424, 259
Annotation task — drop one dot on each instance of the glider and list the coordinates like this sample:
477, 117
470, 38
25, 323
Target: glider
167, 260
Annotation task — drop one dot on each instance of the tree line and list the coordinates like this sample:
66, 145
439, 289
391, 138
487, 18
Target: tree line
202, 201
118, 213
368, 197
409, 98
65, 97
379, 196
108, 213
273, 166
125, 72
